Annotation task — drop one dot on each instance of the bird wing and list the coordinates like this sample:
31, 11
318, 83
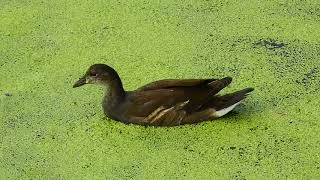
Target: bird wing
169, 83
142, 103
168, 93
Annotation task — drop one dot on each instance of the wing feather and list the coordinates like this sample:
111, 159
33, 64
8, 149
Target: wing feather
169, 83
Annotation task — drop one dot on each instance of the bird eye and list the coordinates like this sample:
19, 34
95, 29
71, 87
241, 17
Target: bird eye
93, 74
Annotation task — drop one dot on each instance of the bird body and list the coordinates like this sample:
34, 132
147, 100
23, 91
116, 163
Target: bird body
166, 102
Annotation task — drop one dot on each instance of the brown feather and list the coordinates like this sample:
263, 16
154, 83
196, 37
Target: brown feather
170, 83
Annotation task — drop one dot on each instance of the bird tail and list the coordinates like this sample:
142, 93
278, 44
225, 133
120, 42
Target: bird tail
224, 104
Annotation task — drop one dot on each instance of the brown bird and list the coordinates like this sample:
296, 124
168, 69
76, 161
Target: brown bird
166, 102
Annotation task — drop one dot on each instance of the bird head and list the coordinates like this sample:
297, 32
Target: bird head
97, 74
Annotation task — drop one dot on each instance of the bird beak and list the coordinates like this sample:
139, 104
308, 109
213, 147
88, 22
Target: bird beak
81, 81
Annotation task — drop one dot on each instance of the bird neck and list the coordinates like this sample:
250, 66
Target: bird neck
114, 92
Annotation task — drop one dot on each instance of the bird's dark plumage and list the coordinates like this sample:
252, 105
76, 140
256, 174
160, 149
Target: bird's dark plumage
166, 102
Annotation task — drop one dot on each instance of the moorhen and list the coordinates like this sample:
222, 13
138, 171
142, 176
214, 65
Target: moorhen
166, 102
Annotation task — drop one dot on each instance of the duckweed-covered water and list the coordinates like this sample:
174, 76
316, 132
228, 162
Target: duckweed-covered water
49, 130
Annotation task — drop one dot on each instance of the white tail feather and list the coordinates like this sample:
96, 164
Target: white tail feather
224, 111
